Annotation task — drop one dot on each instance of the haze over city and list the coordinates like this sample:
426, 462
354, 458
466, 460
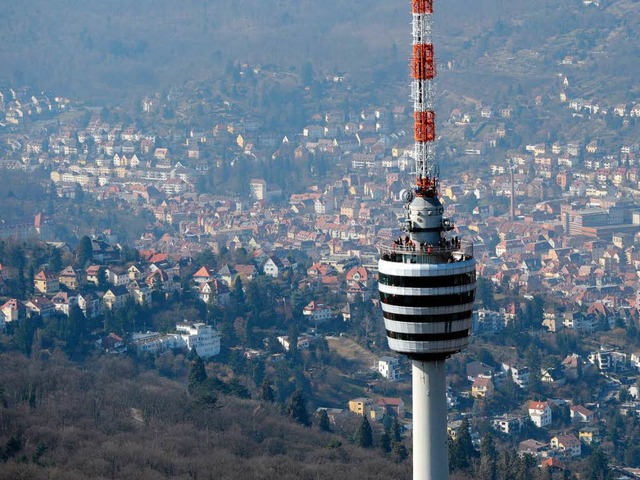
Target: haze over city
196, 199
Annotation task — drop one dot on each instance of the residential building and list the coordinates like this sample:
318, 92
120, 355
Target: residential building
519, 374
609, 360
553, 376
90, 304
476, 368
116, 297
506, 423
63, 302
200, 336
93, 273
482, 386
273, 267
41, 306
117, 276
539, 413
360, 405
14, 310
389, 367
581, 414
532, 447
203, 275
393, 406
590, 435
214, 292
258, 188
303, 342
155, 343
568, 445
46, 282
69, 278
136, 272
317, 312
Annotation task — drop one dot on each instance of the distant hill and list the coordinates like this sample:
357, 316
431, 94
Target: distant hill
115, 50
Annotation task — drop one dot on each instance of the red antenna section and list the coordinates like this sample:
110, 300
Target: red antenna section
422, 6
424, 129
423, 71
423, 65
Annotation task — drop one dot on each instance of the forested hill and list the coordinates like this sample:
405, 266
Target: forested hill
114, 50
112, 420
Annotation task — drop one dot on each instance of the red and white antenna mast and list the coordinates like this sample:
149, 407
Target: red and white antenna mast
423, 71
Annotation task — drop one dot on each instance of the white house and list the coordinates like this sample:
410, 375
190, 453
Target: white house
200, 336
608, 360
389, 367
117, 276
519, 374
154, 342
303, 342
568, 445
635, 360
508, 424
273, 267
317, 312
539, 413
581, 414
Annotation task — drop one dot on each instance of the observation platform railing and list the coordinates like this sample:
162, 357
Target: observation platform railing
448, 251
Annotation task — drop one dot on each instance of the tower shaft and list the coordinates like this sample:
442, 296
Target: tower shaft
430, 448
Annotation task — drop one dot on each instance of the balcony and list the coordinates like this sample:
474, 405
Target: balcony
448, 251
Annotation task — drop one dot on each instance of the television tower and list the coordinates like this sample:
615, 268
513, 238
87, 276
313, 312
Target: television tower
427, 277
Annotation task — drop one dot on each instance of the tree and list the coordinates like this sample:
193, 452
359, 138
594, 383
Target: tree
323, 421
306, 73
197, 373
55, 260
23, 335
297, 408
396, 431
506, 464
385, 441
534, 312
400, 452
462, 452
84, 251
237, 389
238, 291
75, 329
488, 458
485, 293
598, 466
102, 279
364, 435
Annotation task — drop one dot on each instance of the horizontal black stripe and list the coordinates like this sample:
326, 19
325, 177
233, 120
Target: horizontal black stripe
427, 300
428, 281
444, 317
428, 337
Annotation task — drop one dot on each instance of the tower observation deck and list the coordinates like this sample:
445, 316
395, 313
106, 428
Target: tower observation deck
427, 276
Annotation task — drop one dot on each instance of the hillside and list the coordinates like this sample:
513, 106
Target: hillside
117, 50
110, 419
